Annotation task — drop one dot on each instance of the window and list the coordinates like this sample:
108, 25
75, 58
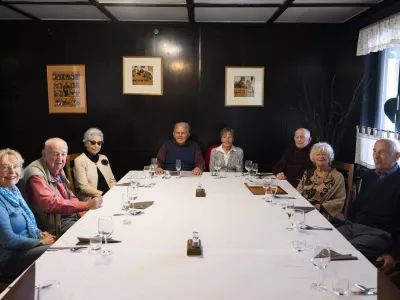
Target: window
389, 84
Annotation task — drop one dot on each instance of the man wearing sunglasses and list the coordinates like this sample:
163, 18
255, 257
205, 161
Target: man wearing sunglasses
182, 149
49, 190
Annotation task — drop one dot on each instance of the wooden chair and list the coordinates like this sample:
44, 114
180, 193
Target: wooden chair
349, 168
68, 167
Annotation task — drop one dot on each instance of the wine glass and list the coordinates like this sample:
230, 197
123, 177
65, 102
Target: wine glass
146, 172
178, 166
106, 228
125, 206
248, 165
289, 210
320, 258
217, 166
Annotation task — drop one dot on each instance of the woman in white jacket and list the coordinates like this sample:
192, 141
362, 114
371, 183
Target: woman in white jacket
92, 171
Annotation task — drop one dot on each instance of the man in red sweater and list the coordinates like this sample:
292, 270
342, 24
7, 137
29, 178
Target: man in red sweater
296, 159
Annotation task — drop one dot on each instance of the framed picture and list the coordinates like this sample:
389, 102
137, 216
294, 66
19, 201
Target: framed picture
142, 75
66, 86
244, 86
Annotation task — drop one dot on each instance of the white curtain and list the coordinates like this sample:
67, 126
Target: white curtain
365, 141
381, 35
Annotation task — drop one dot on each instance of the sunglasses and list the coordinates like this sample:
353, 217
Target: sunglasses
94, 143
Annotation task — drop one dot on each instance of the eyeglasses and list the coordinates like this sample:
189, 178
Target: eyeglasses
9, 167
94, 143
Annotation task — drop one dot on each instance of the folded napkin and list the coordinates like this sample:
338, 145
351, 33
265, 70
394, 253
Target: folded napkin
335, 256
85, 241
305, 208
123, 184
259, 190
142, 205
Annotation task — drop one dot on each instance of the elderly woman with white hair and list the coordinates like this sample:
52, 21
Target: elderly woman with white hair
323, 186
92, 171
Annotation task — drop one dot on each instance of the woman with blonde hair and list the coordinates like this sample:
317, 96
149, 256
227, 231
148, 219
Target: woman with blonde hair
21, 241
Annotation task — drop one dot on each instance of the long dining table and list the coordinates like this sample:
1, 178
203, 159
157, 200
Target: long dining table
247, 251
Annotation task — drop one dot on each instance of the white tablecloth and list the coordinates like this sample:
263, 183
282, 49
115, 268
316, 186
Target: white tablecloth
247, 250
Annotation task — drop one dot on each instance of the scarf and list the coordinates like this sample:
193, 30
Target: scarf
14, 198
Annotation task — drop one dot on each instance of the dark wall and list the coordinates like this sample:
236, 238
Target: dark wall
294, 56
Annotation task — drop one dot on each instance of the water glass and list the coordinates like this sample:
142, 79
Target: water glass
125, 206
146, 172
299, 245
340, 286
106, 228
298, 218
254, 169
95, 243
222, 173
237, 169
154, 163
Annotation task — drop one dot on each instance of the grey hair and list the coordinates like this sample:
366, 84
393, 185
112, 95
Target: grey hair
394, 146
307, 132
13, 155
227, 130
322, 147
183, 124
90, 132
49, 142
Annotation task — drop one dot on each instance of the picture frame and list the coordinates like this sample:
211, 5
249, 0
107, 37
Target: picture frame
244, 86
66, 87
142, 75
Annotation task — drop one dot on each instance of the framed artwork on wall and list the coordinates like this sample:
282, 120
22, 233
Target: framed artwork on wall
66, 87
142, 75
244, 86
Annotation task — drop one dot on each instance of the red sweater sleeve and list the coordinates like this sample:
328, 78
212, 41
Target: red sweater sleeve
42, 195
161, 156
199, 160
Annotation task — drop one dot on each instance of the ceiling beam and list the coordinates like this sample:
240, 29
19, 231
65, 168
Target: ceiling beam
190, 9
103, 10
19, 11
280, 11
47, 2
332, 5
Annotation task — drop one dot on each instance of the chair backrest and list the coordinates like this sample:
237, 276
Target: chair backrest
208, 154
69, 164
349, 168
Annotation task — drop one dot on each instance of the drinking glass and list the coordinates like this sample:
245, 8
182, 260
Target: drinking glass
217, 166
106, 228
254, 169
320, 258
132, 180
178, 166
273, 188
154, 163
125, 206
237, 168
299, 245
248, 164
48, 290
298, 218
266, 183
340, 286
146, 172
289, 210
95, 243
132, 193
